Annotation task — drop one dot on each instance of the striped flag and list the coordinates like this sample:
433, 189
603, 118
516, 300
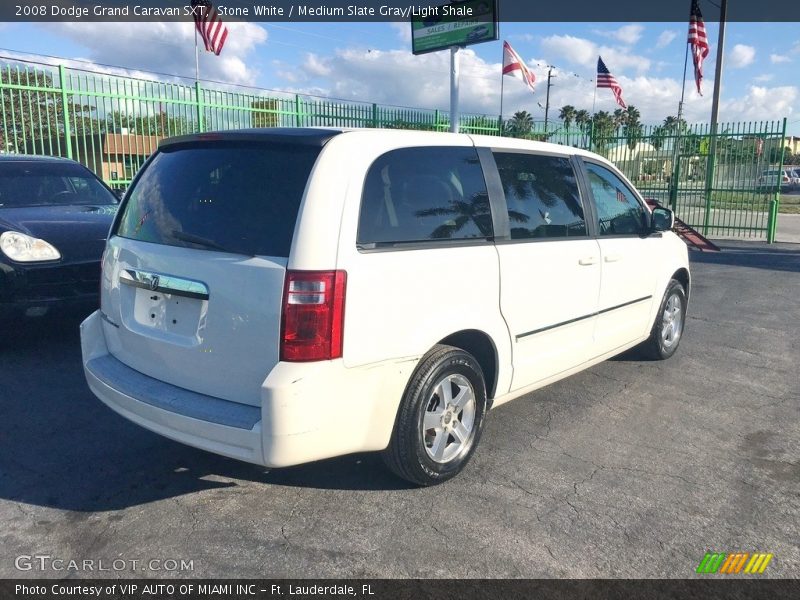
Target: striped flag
606, 80
513, 65
699, 43
209, 25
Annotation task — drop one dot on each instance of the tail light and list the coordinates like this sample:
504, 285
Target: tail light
312, 319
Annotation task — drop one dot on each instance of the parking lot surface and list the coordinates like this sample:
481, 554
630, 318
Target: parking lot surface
629, 469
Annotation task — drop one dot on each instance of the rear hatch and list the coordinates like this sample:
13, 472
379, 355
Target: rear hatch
194, 269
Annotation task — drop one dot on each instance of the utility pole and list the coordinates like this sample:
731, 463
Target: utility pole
547, 101
712, 146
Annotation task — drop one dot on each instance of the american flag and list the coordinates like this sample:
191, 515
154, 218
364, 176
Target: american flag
513, 65
621, 196
698, 42
606, 80
209, 25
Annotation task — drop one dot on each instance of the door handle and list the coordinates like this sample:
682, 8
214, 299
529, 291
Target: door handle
589, 260
612, 257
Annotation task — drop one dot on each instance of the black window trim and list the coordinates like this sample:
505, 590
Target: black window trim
583, 161
497, 197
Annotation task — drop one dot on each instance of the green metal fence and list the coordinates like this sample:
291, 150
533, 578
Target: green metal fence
717, 183
725, 184
112, 124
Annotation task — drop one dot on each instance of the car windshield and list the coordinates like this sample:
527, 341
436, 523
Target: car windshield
31, 183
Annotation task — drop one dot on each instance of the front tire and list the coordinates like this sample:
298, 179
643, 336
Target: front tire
668, 328
440, 419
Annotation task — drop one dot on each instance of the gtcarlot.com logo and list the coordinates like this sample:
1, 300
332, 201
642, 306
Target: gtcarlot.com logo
46, 562
734, 563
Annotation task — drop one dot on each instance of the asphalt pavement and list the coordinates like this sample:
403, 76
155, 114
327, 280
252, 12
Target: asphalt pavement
629, 469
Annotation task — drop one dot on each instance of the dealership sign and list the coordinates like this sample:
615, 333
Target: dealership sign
454, 24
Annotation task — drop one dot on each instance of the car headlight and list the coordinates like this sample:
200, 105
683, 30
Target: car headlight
24, 248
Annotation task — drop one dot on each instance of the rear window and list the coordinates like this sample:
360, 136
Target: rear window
235, 197
33, 183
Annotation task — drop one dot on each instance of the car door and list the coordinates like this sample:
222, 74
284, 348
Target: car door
549, 264
628, 253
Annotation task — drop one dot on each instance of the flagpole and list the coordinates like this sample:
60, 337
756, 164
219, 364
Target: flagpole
502, 81
594, 104
196, 57
683, 85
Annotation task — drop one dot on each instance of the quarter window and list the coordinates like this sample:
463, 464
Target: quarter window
423, 194
541, 195
619, 212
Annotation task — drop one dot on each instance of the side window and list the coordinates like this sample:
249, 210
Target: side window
619, 212
541, 195
422, 194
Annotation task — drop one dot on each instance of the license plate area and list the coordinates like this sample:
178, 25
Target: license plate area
163, 306
169, 313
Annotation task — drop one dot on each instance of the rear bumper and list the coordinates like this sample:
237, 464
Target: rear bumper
309, 411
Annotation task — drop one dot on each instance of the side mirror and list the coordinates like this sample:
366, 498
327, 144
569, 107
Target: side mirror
663, 219
119, 193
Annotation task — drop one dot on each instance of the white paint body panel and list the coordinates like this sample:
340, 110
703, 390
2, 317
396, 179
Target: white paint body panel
399, 304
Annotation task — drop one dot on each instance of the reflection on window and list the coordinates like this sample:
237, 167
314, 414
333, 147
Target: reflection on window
421, 194
542, 196
619, 212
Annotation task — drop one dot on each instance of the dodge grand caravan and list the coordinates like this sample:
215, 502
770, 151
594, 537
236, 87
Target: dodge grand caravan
287, 295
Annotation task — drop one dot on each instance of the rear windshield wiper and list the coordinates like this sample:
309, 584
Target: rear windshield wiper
197, 239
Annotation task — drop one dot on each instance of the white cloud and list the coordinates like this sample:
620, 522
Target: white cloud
666, 38
627, 34
741, 56
764, 77
761, 103
583, 52
166, 48
779, 58
403, 31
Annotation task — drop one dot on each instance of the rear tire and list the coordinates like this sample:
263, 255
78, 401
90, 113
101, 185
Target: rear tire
667, 332
440, 419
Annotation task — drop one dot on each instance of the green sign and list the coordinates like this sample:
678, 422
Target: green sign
454, 24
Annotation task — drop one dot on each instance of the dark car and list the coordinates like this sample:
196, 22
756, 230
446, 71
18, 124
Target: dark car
54, 219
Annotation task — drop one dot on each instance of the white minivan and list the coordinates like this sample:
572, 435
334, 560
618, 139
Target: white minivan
282, 296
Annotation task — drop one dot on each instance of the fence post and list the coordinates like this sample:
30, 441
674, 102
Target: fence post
712, 163
62, 78
374, 115
198, 94
772, 222
297, 110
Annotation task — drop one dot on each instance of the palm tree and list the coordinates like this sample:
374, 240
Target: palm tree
657, 136
673, 124
603, 128
521, 124
567, 115
620, 118
582, 119
632, 126
632, 115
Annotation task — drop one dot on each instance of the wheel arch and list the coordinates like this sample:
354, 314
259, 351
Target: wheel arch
685, 278
480, 345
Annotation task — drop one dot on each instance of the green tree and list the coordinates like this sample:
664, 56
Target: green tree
520, 125
674, 125
658, 137
34, 118
603, 129
161, 124
567, 115
632, 128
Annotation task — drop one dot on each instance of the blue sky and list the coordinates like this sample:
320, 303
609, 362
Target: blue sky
373, 62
